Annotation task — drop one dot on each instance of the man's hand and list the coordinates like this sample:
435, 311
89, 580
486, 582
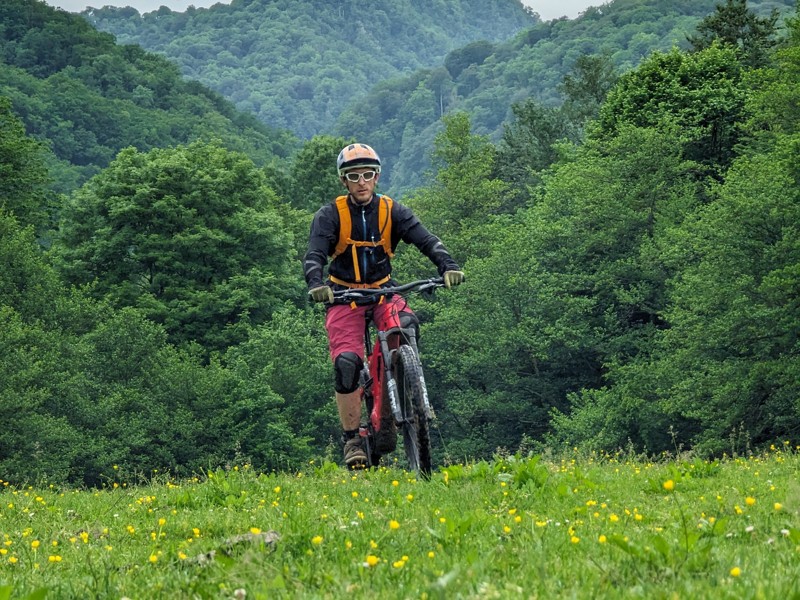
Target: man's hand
323, 293
453, 278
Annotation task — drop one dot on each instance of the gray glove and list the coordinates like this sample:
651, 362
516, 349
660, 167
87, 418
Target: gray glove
323, 293
453, 278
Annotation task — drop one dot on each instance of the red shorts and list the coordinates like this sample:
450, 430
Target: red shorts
345, 324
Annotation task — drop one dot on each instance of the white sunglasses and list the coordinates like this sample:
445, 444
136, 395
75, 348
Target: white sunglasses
354, 177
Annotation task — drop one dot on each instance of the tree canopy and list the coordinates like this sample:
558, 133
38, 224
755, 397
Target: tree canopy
190, 235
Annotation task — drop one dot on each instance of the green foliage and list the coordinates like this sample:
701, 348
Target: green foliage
35, 443
529, 146
734, 316
702, 93
23, 176
570, 286
84, 387
734, 25
725, 370
289, 356
89, 98
775, 109
296, 65
616, 295
463, 196
562, 61
586, 86
191, 235
471, 54
312, 178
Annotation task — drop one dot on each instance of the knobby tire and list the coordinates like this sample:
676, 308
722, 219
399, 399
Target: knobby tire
411, 391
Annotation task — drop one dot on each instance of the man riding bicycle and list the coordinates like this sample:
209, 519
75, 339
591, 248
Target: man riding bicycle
360, 232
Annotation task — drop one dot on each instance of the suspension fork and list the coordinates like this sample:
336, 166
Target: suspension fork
407, 334
388, 375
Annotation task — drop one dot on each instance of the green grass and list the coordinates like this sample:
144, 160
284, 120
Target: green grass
518, 527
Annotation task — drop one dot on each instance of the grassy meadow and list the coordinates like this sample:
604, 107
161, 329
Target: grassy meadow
583, 526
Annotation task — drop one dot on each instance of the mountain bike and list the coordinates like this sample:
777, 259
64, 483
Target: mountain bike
393, 372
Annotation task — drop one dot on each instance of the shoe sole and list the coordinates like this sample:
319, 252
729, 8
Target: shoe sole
358, 461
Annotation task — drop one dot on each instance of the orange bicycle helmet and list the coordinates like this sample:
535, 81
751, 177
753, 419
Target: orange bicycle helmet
357, 155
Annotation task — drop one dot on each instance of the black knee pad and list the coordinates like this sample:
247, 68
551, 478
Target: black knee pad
347, 367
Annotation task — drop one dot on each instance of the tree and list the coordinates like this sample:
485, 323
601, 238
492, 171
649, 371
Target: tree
702, 94
463, 194
585, 87
289, 357
33, 442
735, 314
473, 53
529, 147
23, 175
561, 292
191, 235
774, 108
313, 180
733, 24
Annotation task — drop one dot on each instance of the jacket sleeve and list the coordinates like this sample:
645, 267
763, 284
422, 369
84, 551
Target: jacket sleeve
321, 243
407, 227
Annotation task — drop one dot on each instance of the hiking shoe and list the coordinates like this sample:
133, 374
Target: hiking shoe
354, 455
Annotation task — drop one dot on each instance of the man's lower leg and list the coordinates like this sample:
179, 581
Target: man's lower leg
349, 407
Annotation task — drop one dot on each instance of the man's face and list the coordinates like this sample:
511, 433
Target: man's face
361, 190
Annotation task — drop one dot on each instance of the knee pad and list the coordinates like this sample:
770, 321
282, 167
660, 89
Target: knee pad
347, 367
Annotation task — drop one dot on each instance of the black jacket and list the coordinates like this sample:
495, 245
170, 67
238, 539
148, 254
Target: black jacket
405, 226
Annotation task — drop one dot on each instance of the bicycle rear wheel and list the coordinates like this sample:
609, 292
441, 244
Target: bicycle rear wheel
411, 392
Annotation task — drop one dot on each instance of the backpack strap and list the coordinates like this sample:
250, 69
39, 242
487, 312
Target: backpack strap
346, 228
385, 217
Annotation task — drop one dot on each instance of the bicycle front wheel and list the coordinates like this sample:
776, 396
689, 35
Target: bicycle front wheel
412, 393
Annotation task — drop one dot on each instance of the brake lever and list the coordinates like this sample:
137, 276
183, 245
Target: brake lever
429, 291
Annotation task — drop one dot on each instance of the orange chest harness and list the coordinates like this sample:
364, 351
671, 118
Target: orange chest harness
345, 239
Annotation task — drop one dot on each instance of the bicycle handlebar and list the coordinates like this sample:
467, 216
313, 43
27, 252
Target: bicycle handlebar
355, 294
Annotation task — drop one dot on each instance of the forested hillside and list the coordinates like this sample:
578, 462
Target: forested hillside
413, 75
632, 262
88, 97
297, 63
403, 115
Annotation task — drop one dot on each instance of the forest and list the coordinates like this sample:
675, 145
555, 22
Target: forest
631, 252
477, 57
